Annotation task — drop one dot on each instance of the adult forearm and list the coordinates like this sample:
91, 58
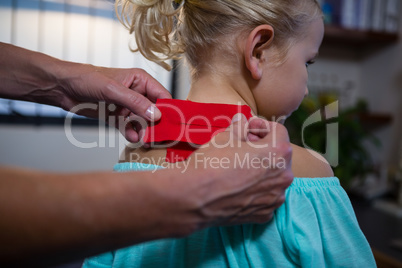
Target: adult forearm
28, 75
51, 218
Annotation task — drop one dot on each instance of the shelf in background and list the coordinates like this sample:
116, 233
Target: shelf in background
354, 43
374, 121
338, 35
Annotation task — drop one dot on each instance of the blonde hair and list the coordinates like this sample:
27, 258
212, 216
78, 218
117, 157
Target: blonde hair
165, 29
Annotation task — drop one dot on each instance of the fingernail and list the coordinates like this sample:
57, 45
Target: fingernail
237, 117
153, 113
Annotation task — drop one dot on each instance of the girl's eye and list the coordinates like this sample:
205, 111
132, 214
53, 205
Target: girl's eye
309, 63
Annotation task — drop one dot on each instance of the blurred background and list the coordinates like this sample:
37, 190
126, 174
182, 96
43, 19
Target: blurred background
359, 69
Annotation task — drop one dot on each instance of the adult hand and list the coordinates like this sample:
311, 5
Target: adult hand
246, 181
132, 93
262, 166
33, 76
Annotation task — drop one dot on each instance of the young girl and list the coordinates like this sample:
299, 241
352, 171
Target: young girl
253, 53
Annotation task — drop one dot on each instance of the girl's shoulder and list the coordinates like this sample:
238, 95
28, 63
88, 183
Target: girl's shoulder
143, 155
309, 164
305, 163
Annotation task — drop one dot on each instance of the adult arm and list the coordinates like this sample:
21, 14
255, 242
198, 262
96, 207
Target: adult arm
50, 218
32, 76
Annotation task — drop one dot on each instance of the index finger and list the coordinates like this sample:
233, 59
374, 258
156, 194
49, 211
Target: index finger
257, 128
148, 86
137, 92
276, 135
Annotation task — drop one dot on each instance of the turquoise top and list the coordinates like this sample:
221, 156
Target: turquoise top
315, 227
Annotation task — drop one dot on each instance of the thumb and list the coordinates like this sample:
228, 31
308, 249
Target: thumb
235, 131
136, 103
239, 127
258, 128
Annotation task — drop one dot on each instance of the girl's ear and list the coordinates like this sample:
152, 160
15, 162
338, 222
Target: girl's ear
257, 42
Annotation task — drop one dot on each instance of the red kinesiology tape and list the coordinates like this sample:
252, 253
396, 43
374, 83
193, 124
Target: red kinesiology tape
186, 125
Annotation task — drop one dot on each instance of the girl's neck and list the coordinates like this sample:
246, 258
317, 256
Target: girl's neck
215, 89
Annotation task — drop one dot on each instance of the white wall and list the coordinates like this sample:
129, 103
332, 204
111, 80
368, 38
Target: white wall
339, 76
49, 148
